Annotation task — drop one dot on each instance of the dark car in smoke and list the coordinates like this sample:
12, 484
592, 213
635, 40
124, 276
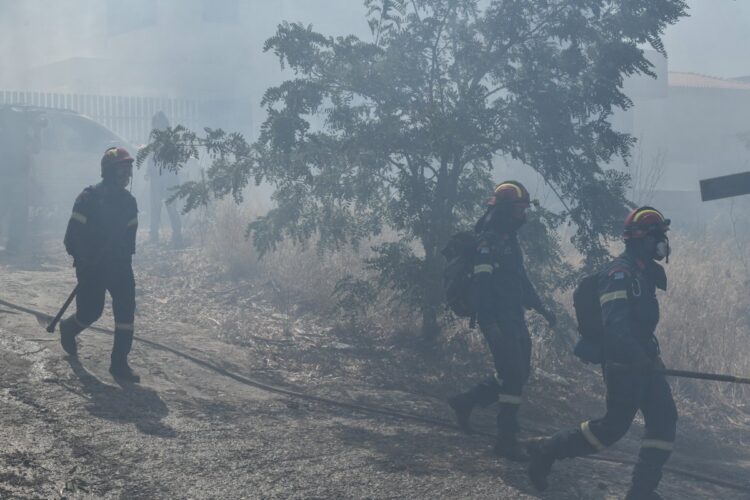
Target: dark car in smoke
71, 149
48, 156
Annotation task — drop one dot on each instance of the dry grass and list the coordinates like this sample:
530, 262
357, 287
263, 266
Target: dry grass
706, 317
705, 322
303, 277
225, 240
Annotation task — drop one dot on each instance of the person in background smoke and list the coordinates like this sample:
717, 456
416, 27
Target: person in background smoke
630, 313
502, 294
20, 139
101, 238
161, 183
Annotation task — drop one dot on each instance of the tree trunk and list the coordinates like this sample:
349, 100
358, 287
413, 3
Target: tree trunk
439, 226
432, 295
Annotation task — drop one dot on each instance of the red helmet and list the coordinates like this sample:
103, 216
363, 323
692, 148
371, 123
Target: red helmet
115, 156
511, 192
643, 221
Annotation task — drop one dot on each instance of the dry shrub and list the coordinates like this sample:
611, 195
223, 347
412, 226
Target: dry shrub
705, 323
226, 243
308, 276
303, 277
306, 279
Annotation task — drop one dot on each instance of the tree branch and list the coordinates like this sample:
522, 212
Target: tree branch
416, 10
435, 56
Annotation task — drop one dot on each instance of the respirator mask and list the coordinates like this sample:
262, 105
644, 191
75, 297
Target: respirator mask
663, 250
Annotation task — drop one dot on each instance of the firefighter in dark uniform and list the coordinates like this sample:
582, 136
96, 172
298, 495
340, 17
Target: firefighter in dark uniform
101, 238
502, 293
630, 311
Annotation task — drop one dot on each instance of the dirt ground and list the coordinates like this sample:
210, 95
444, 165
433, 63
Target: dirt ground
69, 431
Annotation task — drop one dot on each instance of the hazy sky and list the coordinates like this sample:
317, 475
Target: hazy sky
714, 40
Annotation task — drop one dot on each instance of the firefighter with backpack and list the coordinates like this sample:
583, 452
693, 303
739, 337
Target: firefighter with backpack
500, 292
622, 302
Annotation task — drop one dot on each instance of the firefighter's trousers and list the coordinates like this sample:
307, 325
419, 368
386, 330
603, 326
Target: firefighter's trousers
628, 392
510, 344
92, 286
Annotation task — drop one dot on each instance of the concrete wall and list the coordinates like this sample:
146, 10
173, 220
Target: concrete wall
689, 135
696, 131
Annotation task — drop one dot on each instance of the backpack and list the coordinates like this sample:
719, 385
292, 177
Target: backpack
458, 273
589, 319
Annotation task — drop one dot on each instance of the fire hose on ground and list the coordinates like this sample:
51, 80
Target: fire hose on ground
395, 414
686, 374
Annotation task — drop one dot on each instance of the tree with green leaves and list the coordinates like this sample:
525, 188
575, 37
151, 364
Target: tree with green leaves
401, 131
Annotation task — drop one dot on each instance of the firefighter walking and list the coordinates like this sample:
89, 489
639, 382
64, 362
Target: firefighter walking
502, 292
101, 238
630, 312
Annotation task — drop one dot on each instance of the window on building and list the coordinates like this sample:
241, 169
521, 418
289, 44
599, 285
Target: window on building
221, 11
130, 15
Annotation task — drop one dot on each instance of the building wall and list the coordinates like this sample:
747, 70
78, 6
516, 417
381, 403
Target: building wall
695, 131
689, 135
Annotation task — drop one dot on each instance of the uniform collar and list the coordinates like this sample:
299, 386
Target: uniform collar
635, 260
112, 188
650, 268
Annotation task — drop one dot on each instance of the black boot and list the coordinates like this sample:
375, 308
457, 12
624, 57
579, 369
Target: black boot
507, 445
510, 449
69, 328
119, 368
541, 462
639, 494
462, 404
647, 473
544, 451
122, 372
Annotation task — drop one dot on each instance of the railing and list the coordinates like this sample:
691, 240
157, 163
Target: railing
127, 116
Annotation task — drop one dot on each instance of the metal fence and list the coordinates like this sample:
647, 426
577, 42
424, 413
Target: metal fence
127, 116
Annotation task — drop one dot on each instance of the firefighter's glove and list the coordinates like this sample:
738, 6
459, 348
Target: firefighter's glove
549, 316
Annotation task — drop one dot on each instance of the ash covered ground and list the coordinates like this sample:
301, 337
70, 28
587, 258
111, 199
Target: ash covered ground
69, 431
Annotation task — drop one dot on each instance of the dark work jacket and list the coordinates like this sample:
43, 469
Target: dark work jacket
102, 227
501, 284
630, 310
